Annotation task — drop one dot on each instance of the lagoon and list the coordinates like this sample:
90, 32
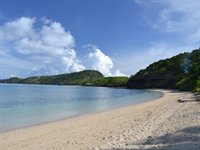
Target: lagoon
23, 105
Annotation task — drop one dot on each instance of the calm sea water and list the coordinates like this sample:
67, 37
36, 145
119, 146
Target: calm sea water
25, 105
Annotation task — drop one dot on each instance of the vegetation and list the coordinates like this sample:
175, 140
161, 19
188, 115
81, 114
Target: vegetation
76, 78
179, 72
111, 82
87, 78
11, 80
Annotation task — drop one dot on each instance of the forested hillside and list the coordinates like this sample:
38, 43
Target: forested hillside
76, 78
179, 72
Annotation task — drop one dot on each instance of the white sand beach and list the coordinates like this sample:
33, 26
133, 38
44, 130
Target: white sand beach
159, 124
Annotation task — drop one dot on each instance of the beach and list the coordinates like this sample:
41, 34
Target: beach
159, 124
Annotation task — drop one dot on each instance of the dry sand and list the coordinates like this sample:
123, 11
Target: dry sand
160, 124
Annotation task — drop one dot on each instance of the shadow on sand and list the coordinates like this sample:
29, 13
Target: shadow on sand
185, 139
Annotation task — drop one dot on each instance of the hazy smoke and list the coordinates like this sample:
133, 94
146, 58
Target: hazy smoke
186, 64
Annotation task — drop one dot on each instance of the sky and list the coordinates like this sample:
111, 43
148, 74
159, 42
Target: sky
116, 37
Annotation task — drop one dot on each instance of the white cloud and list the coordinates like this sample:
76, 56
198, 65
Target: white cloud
13, 75
44, 47
49, 48
174, 16
71, 62
180, 15
119, 73
102, 62
55, 35
45, 20
17, 29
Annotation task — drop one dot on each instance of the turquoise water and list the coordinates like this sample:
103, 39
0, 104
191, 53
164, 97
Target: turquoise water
25, 105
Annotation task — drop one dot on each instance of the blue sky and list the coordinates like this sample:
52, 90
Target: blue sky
116, 37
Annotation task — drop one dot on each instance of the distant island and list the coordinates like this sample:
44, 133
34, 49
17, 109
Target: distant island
179, 72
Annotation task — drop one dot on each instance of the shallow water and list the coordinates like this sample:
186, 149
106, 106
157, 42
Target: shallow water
25, 105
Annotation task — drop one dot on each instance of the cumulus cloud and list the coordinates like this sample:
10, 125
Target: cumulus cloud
50, 47
102, 62
119, 73
44, 47
17, 29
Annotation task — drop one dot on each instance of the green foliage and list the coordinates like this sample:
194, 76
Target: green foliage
76, 78
87, 77
180, 72
11, 80
31, 80
111, 82
197, 88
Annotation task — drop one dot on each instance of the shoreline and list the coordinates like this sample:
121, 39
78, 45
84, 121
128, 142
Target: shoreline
115, 128
87, 113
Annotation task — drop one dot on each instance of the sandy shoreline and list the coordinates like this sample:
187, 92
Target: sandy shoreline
158, 124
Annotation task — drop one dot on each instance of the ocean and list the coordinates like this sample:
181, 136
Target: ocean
23, 105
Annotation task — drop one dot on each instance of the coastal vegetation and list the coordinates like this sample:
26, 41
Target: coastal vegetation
86, 77
111, 82
179, 72
75, 78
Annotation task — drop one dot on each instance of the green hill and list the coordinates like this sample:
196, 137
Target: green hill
87, 78
111, 82
76, 78
11, 80
179, 72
